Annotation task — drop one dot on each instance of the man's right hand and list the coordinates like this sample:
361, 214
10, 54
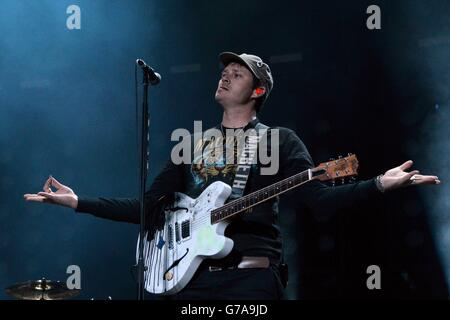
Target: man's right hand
63, 196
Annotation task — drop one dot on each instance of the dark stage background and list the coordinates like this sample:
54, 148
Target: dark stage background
68, 109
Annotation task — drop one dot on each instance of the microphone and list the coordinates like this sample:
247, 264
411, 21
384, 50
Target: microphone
153, 77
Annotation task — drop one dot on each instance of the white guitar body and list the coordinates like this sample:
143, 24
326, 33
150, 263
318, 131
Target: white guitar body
189, 237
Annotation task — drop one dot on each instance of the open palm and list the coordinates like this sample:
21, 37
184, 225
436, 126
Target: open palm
397, 177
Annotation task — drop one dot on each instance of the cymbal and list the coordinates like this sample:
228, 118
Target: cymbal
41, 290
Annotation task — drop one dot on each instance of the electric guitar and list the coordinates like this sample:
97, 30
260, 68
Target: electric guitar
194, 228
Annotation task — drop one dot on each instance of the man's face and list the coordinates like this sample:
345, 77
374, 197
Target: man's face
235, 85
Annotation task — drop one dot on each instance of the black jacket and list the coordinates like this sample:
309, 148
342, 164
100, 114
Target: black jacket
254, 233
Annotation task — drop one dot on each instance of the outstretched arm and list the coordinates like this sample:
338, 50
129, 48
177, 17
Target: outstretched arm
321, 198
118, 209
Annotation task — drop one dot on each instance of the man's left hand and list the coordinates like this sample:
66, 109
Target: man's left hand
398, 178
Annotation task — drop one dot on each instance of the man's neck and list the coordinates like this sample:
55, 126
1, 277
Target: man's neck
237, 117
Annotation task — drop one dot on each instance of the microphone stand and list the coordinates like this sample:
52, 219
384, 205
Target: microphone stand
143, 178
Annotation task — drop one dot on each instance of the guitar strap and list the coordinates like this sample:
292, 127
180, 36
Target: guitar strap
246, 158
240, 181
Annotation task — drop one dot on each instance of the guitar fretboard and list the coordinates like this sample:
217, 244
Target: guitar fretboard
254, 198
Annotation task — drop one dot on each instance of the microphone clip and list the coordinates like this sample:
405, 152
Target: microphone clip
150, 75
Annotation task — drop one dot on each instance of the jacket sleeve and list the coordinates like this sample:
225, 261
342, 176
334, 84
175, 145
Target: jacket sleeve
168, 181
317, 196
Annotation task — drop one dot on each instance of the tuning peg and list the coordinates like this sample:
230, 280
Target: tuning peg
343, 180
339, 157
333, 183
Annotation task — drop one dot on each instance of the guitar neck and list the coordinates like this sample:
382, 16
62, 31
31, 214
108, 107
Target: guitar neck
257, 197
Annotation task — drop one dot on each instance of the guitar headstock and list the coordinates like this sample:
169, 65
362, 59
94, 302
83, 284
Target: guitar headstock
336, 169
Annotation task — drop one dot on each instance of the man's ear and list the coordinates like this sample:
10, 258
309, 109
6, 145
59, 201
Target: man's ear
258, 92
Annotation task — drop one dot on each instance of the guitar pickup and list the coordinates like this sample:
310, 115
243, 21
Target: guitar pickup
185, 229
170, 231
177, 232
